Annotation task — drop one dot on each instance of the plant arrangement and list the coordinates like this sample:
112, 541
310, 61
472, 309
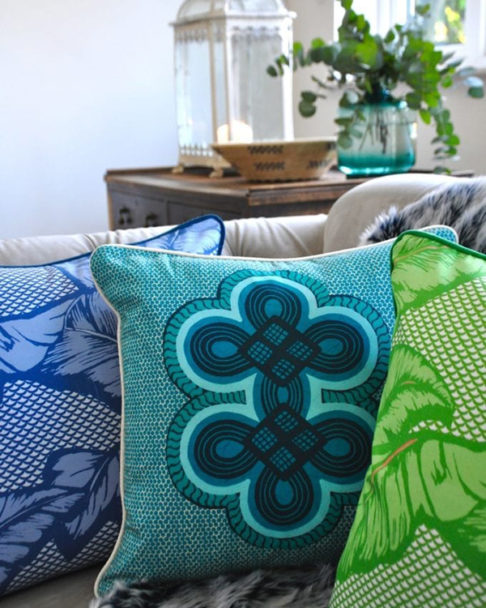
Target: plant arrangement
400, 66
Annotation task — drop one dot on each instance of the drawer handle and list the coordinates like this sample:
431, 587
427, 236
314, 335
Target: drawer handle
151, 219
125, 217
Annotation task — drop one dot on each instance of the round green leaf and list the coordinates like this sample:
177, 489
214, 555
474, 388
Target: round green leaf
307, 109
477, 92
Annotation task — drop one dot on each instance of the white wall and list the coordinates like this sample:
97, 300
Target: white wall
468, 115
85, 85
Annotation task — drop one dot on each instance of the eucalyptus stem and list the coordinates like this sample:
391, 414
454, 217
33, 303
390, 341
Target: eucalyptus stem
371, 67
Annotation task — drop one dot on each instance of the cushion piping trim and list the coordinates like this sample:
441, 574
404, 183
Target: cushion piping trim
303, 258
187, 224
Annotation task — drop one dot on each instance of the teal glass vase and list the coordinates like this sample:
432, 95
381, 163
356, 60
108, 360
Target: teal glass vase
387, 140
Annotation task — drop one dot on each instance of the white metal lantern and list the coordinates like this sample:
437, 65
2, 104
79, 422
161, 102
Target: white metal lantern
223, 92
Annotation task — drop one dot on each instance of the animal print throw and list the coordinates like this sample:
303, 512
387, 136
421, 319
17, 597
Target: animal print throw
460, 205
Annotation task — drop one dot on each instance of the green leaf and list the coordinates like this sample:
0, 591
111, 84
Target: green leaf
271, 71
413, 391
308, 96
412, 487
476, 92
344, 141
346, 4
317, 43
452, 65
413, 100
447, 56
343, 122
447, 81
425, 116
319, 82
453, 140
329, 54
432, 99
348, 99
307, 109
424, 268
318, 54
367, 52
298, 48
442, 170
361, 24
414, 473
471, 534
422, 9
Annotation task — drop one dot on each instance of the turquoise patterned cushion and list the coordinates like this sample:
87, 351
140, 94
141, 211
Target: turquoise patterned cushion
251, 389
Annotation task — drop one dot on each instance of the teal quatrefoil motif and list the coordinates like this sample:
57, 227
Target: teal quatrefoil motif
279, 376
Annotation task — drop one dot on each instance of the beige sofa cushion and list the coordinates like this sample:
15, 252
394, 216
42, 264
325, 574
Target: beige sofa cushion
256, 237
46, 249
279, 237
357, 209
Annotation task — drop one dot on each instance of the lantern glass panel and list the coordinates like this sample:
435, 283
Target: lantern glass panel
224, 94
193, 89
256, 6
256, 99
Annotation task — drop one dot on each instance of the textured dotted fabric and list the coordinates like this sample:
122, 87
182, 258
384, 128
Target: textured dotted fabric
60, 402
189, 517
438, 349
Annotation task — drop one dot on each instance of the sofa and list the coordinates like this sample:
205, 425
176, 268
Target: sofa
261, 237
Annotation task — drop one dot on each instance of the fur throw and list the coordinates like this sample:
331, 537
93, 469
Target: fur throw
460, 205
297, 588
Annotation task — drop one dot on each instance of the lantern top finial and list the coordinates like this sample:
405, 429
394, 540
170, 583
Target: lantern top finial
200, 9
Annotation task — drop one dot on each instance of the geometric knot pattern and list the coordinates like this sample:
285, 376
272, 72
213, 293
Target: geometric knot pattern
279, 350
275, 370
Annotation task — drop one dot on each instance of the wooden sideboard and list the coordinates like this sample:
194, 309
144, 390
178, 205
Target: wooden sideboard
157, 197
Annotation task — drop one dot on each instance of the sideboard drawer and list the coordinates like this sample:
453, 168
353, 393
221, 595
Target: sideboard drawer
134, 211
151, 196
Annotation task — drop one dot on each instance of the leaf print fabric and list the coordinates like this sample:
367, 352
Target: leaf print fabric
420, 524
60, 413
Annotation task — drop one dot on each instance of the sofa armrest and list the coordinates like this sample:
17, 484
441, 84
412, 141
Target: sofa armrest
355, 211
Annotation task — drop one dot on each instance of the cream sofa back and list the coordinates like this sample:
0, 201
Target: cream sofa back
259, 237
357, 209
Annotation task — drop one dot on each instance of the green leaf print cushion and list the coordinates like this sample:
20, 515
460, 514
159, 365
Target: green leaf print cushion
419, 536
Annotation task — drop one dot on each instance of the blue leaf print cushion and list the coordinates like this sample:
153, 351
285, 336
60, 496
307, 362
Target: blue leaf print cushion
60, 412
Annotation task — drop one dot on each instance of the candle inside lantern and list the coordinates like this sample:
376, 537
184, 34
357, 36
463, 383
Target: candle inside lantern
240, 132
